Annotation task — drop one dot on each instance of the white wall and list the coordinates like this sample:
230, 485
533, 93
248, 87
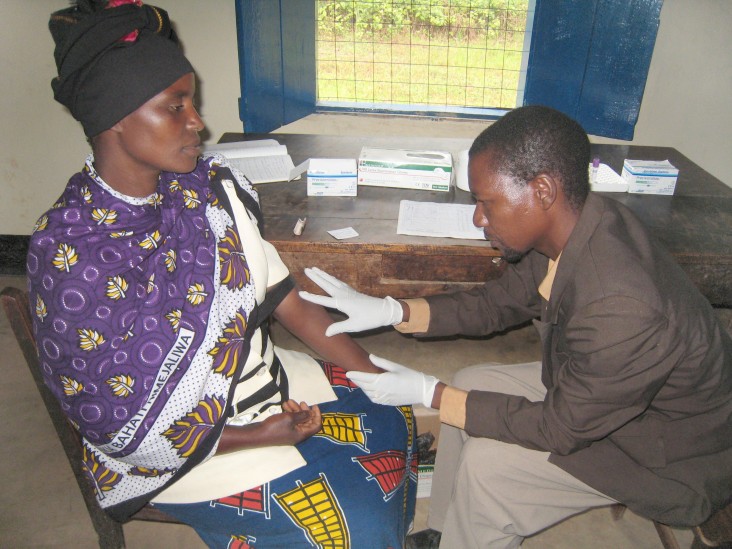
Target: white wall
41, 145
687, 102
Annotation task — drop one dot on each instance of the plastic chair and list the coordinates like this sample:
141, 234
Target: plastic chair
109, 531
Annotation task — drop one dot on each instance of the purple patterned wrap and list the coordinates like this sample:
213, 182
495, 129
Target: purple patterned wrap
93, 253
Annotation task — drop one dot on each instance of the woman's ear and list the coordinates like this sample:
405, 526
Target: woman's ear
117, 128
545, 189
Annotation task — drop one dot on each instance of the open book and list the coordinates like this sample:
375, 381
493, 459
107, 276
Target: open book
262, 161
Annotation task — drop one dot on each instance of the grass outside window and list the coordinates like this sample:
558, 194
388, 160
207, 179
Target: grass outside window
449, 53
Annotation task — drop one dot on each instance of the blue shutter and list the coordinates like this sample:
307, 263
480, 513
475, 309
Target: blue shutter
590, 59
276, 40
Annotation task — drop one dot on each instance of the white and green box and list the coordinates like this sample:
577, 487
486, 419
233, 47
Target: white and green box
650, 176
332, 177
424, 480
405, 169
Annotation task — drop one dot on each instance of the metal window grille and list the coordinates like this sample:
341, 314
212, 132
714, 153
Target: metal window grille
445, 54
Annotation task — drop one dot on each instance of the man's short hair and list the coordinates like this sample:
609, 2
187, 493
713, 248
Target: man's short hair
531, 140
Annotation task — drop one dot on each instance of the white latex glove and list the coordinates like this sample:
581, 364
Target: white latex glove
364, 312
397, 386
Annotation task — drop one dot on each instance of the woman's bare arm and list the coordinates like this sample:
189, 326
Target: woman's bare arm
308, 321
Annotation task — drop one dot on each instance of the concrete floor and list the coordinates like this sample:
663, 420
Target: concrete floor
42, 506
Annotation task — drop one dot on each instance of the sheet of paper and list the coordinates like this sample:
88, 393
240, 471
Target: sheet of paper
437, 220
298, 170
342, 234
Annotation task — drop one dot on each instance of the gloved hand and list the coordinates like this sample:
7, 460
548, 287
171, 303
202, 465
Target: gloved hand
364, 312
397, 386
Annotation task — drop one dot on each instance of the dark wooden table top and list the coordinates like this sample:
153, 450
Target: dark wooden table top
695, 224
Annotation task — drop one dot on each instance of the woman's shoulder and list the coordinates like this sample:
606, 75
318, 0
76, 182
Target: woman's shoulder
217, 162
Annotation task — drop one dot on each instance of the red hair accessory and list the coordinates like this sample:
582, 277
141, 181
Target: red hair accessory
115, 4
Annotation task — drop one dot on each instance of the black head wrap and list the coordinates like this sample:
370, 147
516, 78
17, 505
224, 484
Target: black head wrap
111, 60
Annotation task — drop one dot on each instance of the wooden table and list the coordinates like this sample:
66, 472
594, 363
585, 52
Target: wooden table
695, 224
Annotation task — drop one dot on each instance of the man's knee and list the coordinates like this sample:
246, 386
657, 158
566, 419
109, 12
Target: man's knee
486, 460
473, 377
513, 379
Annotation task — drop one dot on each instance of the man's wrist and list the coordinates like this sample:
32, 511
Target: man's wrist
453, 406
405, 309
437, 395
415, 316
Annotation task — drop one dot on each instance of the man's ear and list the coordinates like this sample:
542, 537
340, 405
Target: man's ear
545, 188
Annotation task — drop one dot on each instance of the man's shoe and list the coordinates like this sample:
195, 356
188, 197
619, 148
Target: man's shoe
424, 539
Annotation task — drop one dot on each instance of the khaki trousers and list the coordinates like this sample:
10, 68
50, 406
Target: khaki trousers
491, 494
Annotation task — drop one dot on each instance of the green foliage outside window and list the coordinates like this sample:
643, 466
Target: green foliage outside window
338, 17
464, 53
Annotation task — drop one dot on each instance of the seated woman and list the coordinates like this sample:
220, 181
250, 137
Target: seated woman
152, 288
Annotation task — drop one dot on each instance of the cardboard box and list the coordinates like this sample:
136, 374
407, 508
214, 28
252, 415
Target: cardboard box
332, 177
405, 169
650, 176
428, 421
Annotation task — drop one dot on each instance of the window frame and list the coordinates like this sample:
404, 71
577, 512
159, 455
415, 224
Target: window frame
594, 70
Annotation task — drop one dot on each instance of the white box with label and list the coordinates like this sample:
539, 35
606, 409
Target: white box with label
332, 177
405, 169
650, 176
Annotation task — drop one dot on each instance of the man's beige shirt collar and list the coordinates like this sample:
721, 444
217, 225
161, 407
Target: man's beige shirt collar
545, 288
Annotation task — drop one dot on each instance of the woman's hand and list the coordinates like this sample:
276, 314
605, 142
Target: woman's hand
300, 422
296, 423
